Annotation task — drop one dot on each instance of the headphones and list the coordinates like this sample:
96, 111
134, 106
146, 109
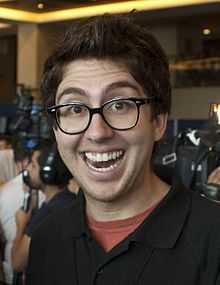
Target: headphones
53, 171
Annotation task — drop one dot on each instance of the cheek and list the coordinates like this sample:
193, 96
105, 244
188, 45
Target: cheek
144, 132
66, 144
62, 140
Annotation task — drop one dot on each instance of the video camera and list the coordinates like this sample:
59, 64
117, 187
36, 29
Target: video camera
191, 156
30, 121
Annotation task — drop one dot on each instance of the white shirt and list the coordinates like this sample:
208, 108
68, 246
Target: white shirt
11, 200
7, 165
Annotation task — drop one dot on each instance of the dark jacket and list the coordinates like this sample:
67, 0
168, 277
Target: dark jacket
178, 244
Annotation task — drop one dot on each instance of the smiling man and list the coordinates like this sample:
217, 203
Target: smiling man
107, 92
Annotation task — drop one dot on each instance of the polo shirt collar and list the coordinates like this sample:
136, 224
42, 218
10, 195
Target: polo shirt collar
161, 229
164, 225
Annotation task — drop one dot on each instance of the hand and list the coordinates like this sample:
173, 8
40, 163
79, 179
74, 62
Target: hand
214, 176
22, 218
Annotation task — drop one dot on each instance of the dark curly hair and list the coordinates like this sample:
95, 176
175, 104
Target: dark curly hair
119, 39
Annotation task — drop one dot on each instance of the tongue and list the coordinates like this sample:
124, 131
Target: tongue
102, 164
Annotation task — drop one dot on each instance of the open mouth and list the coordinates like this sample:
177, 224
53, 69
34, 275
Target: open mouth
103, 162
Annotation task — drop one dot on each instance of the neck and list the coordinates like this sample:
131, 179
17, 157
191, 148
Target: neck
131, 204
50, 191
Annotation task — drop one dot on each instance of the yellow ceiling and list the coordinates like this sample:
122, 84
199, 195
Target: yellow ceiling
120, 7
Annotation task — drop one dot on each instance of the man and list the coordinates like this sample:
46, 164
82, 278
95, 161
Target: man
53, 183
107, 88
11, 199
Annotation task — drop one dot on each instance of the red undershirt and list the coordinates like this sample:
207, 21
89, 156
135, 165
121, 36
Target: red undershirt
109, 234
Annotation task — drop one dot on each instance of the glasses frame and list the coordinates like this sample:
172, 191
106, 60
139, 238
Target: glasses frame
52, 110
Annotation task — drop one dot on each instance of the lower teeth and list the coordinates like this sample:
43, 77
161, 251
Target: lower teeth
102, 166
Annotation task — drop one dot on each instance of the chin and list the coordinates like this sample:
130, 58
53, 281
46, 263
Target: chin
103, 194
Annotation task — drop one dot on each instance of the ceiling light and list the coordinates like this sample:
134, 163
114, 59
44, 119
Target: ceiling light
40, 5
114, 7
214, 112
206, 32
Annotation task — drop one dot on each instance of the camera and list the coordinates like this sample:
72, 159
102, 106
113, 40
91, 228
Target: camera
30, 121
191, 156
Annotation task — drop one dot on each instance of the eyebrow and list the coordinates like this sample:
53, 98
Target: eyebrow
70, 90
121, 84
111, 87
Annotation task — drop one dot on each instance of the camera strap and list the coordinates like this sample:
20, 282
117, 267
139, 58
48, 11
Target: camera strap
199, 164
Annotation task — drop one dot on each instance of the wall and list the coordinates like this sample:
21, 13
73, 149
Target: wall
187, 103
27, 55
193, 103
7, 68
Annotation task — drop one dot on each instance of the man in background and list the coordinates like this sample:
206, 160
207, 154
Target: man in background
47, 172
12, 194
11, 199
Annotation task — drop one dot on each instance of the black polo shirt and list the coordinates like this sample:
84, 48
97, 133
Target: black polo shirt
60, 200
177, 244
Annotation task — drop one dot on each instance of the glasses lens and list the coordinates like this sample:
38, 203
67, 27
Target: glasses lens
121, 114
73, 118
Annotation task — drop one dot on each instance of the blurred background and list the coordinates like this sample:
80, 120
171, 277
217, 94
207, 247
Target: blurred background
189, 31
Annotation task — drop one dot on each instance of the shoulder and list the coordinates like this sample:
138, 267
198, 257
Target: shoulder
200, 207
11, 193
9, 186
63, 199
203, 221
60, 219
199, 216
205, 209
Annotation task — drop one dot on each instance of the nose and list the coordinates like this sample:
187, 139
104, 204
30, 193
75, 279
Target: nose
98, 130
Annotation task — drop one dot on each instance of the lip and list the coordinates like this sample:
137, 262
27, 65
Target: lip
101, 150
111, 173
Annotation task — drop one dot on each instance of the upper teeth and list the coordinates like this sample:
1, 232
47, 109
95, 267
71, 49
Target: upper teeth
105, 156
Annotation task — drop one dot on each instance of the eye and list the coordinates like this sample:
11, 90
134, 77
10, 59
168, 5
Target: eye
117, 106
77, 109
120, 107
73, 110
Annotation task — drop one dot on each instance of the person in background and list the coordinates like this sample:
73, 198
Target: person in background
11, 199
73, 186
5, 142
7, 163
214, 176
107, 91
12, 194
47, 172
2, 241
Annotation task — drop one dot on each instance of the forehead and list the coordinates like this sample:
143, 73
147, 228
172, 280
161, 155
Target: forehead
95, 76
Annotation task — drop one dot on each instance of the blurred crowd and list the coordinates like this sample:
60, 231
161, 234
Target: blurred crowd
28, 194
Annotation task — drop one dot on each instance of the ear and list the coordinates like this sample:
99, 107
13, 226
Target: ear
160, 124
